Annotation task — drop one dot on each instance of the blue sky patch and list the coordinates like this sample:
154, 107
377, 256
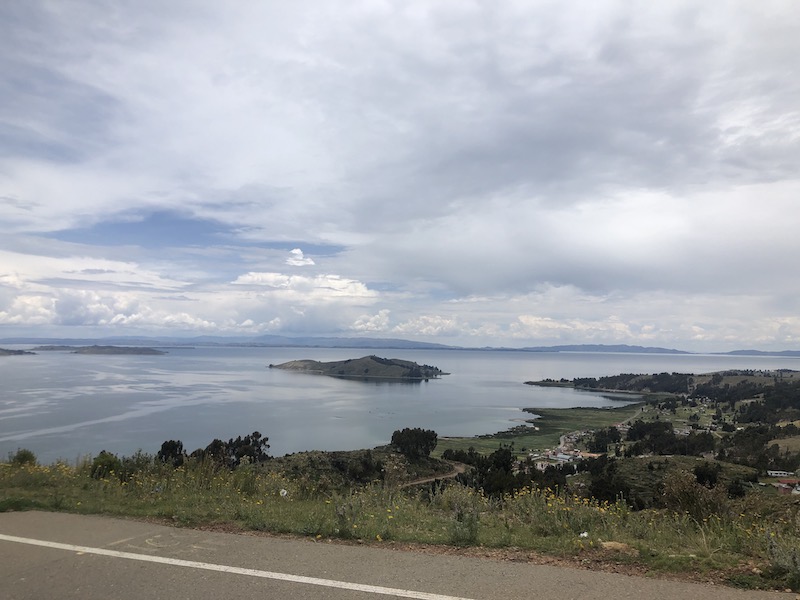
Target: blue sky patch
160, 229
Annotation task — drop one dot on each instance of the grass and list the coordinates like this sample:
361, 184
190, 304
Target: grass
791, 444
755, 531
552, 424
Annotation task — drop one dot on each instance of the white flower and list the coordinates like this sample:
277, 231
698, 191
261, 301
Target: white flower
583, 534
284, 493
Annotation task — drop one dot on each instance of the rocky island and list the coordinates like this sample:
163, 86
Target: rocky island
368, 367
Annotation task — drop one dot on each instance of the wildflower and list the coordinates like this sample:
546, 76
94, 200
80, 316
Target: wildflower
583, 534
284, 493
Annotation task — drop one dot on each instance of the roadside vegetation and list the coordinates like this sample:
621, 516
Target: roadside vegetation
675, 485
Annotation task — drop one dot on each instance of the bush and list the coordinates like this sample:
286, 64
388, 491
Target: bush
707, 474
23, 456
140, 462
683, 494
785, 561
104, 464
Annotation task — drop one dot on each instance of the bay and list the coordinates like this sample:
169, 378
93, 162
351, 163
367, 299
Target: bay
64, 406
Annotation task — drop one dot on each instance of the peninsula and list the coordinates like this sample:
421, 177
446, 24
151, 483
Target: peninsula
368, 367
101, 350
7, 352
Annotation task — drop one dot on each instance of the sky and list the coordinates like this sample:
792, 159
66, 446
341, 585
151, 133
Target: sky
471, 173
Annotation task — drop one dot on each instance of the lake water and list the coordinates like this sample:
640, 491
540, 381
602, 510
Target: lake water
63, 405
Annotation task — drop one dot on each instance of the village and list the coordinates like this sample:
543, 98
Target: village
568, 453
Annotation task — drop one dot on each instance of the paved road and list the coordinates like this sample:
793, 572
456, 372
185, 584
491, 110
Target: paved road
57, 556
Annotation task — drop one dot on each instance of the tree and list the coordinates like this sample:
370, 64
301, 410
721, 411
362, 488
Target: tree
22, 456
707, 473
171, 452
603, 438
242, 450
414, 443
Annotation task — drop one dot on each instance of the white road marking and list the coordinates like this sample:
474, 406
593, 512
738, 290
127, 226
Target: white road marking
331, 583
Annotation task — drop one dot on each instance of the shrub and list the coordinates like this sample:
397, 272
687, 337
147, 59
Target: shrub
785, 561
104, 464
23, 456
464, 506
683, 494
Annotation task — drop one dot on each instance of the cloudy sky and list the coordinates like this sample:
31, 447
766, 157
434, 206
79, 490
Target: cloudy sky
473, 173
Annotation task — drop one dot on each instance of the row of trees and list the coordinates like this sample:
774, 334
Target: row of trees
250, 449
671, 383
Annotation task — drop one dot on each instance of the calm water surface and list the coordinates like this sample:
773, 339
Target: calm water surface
63, 405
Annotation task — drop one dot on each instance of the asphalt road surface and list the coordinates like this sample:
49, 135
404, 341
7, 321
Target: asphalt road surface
47, 556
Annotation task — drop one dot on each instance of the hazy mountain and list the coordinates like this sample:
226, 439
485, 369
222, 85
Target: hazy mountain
259, 341
605, 348
791, 353
359, 342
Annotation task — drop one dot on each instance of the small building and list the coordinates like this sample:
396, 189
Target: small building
790, 482
779, 474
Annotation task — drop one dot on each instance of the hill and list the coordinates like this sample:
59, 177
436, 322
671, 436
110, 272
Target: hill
368, 367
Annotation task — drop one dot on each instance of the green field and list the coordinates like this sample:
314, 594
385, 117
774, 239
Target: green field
791, 444
552, 424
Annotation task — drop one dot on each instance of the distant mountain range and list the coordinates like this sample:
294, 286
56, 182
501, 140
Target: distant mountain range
363, 343
605, 348
210, 340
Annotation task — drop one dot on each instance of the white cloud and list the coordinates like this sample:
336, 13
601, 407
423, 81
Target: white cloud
430, 325
297, 259
29, 310
372, 323
319, 287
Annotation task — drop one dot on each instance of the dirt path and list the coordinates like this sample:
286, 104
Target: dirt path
458, 468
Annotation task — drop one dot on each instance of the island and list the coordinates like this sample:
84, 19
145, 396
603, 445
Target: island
367, 367
138, 350
7, 352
